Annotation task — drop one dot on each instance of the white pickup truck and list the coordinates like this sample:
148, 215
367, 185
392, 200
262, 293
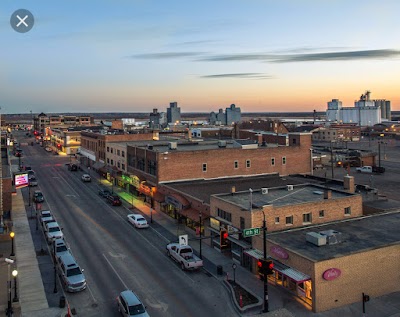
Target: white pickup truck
364, 169
183, 254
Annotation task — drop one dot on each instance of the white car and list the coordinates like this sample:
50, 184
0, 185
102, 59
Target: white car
53, 230
86, 178
138, 221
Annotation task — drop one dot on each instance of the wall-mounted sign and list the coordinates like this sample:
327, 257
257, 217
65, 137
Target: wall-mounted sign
331, 274
21, 180
214, 223
279, 252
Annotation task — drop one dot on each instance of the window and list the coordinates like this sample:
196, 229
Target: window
289, 220
111, 150
284, 160
151, 167
236, 164
276, 220
307, 218
108, 149
248, 163
140, 164
224, 214
123, 154
321, 213
108, 161
112, 162
294, 141
119, 164
204, 167
242, 223
118, 152
347, 211
273, 161
123, 166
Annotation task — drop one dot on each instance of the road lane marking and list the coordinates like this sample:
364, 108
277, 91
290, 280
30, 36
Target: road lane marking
115, 271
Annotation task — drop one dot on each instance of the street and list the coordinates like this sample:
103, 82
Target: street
114, 255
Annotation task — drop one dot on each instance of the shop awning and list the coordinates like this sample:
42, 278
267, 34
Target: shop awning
254, 253
241, 243
291, 272
191, 214
97, 165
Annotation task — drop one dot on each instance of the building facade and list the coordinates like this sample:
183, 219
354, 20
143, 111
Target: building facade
173, 113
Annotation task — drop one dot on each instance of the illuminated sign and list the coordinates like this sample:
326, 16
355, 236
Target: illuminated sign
331, 274
279, 252
21, 180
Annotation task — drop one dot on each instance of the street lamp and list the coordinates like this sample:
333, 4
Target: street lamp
9, 310
14, 274
200, 215
12, 234
266, 305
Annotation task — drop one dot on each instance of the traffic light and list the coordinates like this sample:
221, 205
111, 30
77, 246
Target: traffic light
265, 267
223, 236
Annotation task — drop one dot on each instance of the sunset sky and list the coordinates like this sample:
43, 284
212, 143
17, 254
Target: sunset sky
136, 55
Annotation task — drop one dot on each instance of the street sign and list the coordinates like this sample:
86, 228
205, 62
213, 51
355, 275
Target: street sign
183, 239
251, 232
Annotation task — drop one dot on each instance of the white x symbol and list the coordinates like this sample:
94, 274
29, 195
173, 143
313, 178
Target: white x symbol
22, 21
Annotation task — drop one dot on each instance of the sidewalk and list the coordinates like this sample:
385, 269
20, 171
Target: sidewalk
281, 302
31, 299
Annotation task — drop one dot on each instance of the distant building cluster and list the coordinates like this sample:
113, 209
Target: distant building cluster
231, 116
366, 112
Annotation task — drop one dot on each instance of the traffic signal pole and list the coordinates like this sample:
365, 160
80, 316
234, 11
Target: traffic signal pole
266, 304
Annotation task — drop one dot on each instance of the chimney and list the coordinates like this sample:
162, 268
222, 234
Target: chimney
327, 194
348, 184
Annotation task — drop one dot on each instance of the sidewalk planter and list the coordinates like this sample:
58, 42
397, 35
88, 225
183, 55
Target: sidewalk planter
245, 309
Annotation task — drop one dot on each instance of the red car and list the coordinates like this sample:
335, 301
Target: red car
114, 200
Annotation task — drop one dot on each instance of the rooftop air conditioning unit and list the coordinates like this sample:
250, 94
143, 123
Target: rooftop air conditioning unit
289, 187
332, 236
316, 238
173, 145
264, 191
221, 143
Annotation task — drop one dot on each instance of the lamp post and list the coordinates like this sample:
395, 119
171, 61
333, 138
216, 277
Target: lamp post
151, 215
332, 158
54, 265
12, 234
200, 216
14, 274
9, 310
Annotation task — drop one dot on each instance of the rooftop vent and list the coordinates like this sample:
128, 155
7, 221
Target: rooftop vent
173, 145
289, 187
221, 143
316, 238
264, 191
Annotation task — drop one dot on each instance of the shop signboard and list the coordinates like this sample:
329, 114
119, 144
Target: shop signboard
331, 274
21, 180
279, 252
215, 224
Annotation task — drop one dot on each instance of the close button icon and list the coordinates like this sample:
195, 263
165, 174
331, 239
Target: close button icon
22, 21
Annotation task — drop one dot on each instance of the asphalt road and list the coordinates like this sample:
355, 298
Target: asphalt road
114, 255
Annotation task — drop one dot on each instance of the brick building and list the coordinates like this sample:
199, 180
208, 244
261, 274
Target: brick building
345, 260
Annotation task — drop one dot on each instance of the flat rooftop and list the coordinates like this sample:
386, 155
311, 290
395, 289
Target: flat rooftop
358, 235
203, 189
281, 196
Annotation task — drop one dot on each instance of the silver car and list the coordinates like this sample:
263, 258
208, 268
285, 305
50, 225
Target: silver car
71, 274
129, 305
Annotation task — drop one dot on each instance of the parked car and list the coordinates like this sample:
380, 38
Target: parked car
46, 220
33, 182
86, 178
138, 221
103, 192
38, 196
114, 200
71, 274
59, 248
72, 167
129, 305
53, 230
44, 213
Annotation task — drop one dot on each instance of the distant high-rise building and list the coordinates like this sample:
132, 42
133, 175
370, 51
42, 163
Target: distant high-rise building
154, 122
173, 113
231, 116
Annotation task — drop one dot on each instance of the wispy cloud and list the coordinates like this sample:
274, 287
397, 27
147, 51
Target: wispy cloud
239, 75
328, 56
167, 55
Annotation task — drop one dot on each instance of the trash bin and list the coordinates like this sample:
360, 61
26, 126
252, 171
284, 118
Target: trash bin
62, 302
220, 271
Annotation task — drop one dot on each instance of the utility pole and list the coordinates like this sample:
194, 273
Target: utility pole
266, 304
332, 159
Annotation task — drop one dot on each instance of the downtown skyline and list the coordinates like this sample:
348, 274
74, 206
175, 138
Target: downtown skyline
133, 56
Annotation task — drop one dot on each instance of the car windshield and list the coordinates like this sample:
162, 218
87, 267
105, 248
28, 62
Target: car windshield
54, 229
62, 248
141, 220
74, 271
136, 309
